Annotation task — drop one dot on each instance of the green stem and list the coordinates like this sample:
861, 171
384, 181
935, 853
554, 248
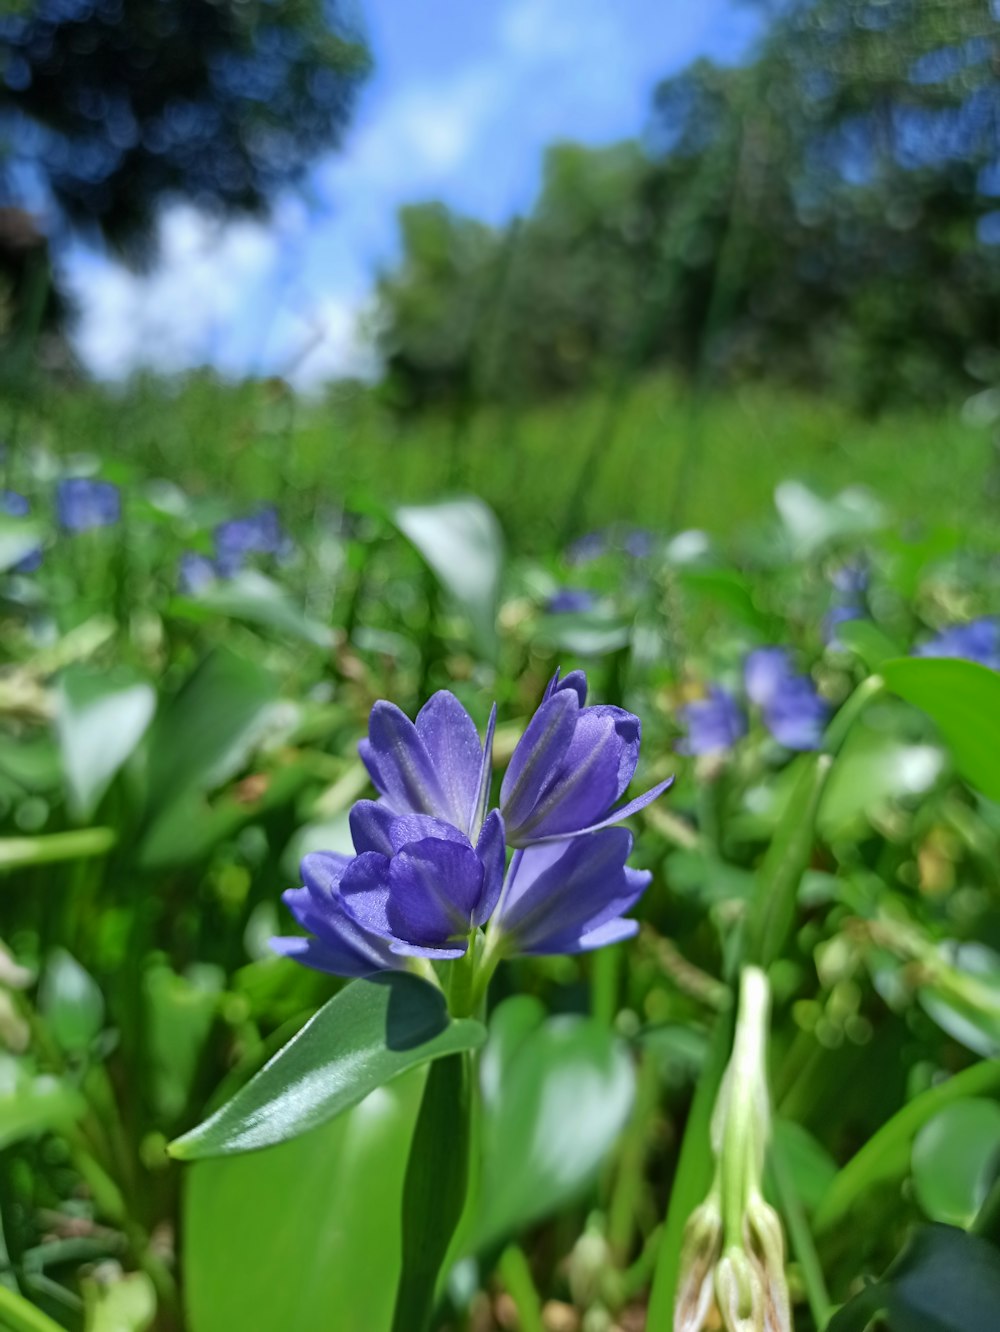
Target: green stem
17, 1315
435, 1189
516, 1276
799, 1235
51, 847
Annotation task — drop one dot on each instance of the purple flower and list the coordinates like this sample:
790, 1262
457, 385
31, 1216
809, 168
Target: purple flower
567, 897
977, 641
416, 888
16, 506
569, 600
258, 533
436, 766
586, 549
714, 724
837, 616
570, 767
851, 581
83, 503
196, 573
791, 707
638, 543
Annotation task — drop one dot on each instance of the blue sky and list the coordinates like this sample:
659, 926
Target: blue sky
464, 97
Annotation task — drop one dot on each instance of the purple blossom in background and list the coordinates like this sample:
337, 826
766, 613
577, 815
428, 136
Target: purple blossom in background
850, 582
791, 707
258, 533
586, 549
638, 543
977, 641
570, 767
714, 724
196, 573
83, 503
569, 600
568, 897
429, 868
435, 766
17, 506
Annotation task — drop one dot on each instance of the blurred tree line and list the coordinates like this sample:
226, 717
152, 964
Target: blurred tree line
826, 214
110, 108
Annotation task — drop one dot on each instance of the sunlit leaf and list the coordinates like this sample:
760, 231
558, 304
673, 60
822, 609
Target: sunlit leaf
369, 1033
99, 721
71, 1001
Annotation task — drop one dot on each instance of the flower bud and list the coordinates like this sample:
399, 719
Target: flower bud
699, 1254
740, 1293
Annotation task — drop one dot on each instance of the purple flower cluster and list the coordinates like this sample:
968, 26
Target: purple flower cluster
430, 865
636, 542
789, 704
83, 503
235, 540
850, 584
570, 601
977, 641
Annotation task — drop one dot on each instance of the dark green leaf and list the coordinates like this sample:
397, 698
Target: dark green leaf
954, 1160
369, 1033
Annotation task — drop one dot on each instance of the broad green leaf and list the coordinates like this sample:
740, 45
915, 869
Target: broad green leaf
369, 1033
872, 644
205, 732
944, 1281
33, 1103
954, 1161
461, 541
556, 1095
963, 700
872, 772
812, 522
125, 1305
305, 1236
99, 722
258, 600
70, 1001
886, 1155
810, 1165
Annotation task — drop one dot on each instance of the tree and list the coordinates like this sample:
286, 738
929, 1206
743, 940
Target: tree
113, 106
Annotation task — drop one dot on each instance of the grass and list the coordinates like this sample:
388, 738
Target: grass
658, 457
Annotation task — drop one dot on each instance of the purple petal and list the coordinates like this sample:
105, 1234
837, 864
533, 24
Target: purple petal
322, 872
538, 755
370, 822
451, 740
485, 776
490, 850
616, 816
434, 888
365, 891
583, 788
340, 946
765, 673
714, 724
611, 932
399, 763
797, 717
560, 893
576, 680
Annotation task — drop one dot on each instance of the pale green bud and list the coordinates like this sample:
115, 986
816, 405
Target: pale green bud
740, 1293
700, 1251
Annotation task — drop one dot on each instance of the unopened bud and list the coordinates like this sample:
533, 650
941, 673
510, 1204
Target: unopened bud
767, 1243
699, 1254
740, 1292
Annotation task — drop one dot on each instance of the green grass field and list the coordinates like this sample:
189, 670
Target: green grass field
657, 456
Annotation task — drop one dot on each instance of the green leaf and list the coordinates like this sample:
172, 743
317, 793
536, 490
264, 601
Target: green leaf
872, 644
585, 633
180, 1011
944, 1281
17, 1315
811, 1167
32, 1103
954, 1160
812, 522
18, 537
70, 1001
204, 733
556, 1095
125, 1305
963, 700
99, 722
462, 543
255, 599
305, 1236
50, 848
872, 772
886, 1155
367, 1034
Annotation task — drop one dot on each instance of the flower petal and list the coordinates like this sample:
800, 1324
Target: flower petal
400, 765
340, 945
537, 757
616, 816
434, 888
485, 777
490, 850
451, 740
